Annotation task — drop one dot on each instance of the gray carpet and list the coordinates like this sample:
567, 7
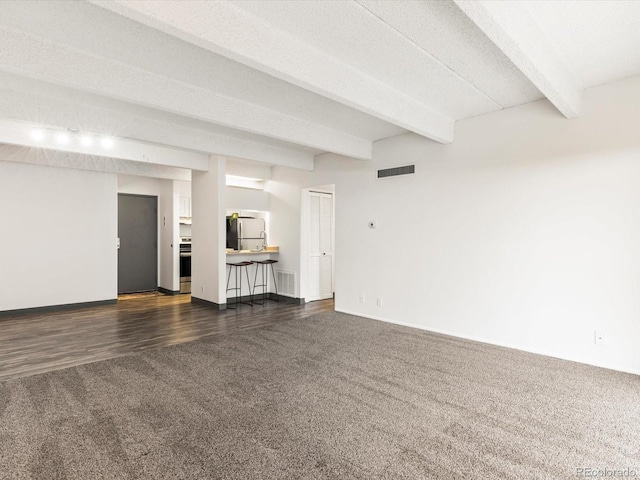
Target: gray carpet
333, 396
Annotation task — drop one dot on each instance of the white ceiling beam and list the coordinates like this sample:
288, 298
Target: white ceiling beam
42, 103
95, 163
34, 57
512, 29
230, 31
14, 132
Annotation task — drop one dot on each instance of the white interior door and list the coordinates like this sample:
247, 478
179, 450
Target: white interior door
320, 246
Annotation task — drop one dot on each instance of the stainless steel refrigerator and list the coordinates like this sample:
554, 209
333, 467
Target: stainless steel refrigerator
245, 233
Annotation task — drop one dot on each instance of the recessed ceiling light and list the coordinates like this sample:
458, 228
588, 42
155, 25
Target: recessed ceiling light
62, 138
86, 141
37, 134
106, 142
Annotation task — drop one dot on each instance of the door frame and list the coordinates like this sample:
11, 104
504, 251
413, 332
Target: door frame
305, 233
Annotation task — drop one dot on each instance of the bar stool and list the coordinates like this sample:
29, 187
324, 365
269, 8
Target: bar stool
238, 288
264, 266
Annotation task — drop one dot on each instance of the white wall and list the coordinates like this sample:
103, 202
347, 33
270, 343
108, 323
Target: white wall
169, 246
284, 220
285, 196
524, 232
137, 185
209, 233
237, 198
58, 242
244, 198
248, 168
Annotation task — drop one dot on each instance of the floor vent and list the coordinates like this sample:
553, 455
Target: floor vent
286, 283
395, 171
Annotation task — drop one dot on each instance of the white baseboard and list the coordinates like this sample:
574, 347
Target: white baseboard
491, 342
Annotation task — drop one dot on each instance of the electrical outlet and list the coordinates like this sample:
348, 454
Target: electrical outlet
379, 302
599, 338
362, 298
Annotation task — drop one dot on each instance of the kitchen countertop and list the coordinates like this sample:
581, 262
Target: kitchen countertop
271, 251
249, 252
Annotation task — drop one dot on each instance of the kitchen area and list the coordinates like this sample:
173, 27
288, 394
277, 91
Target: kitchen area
246, 241
246, 224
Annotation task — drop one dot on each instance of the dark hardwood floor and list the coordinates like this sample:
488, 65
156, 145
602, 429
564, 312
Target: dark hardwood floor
37, 343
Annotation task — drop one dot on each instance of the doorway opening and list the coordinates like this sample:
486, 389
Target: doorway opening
137, 243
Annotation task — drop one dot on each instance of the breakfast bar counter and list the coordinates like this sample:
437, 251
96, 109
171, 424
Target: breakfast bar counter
268, 252
247, 282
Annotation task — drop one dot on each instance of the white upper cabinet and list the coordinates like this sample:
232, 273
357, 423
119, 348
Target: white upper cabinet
185, 207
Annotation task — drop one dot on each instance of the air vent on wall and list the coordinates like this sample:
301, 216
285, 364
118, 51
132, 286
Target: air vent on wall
286, 283
395, 171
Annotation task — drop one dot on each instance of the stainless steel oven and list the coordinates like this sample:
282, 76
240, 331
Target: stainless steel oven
185, 265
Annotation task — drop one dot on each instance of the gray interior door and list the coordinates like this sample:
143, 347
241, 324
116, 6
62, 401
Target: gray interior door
138, 252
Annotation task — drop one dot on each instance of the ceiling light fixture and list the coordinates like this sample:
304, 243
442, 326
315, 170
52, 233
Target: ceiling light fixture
106, 142
37, 134
62, 138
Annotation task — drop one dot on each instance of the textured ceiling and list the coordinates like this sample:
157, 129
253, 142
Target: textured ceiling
282, 81
600, 40
112, 36
449, 65
443, 31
